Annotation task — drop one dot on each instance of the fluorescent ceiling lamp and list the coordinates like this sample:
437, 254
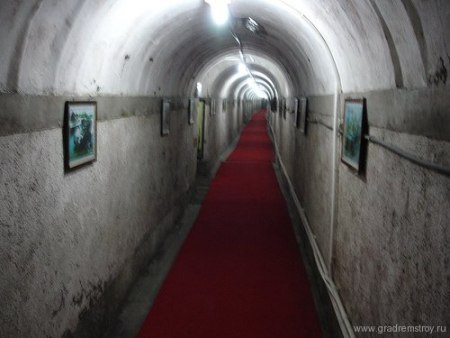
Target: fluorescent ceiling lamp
242, 69
260, 93
219, 10
256, 89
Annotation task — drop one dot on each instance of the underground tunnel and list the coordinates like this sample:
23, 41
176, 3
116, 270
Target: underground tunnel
169, 87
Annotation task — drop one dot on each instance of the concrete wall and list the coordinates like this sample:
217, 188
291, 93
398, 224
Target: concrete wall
222, 127
72, 243
390, 242
67, 239
392, 261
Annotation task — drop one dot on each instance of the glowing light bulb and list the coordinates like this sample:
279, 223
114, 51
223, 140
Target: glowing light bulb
256, 89
219, 11
242, 69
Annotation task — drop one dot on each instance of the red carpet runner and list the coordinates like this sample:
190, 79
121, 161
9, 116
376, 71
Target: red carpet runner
239, 273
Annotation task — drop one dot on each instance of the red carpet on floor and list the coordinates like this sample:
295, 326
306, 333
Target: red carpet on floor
239, 273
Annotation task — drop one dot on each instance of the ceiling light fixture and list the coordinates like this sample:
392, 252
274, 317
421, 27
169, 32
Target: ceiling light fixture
219, 11
257, 90
252, 25
220, 14
242, 68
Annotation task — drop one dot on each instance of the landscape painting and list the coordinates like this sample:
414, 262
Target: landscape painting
191, 111
81, 127
302, 115
165, 117
352, 138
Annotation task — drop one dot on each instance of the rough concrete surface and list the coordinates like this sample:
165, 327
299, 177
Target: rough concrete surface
392, 249
66, 237
419, 111
390, 244
312, 179
221, 129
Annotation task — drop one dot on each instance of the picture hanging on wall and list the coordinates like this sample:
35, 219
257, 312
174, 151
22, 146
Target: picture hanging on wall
302, 115
80, 133
295, 111
212, 110
274, 105
353, 133
191, 111
165, 117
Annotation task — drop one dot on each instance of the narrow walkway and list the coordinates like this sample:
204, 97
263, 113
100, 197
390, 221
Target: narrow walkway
239, 273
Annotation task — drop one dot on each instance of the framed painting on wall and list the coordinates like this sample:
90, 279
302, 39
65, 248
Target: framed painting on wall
353, 133
212, 109
302, 115
295, 111
273, 105
191, 111
80, 133
165, 117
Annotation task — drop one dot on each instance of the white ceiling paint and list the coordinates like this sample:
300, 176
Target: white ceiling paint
137, 47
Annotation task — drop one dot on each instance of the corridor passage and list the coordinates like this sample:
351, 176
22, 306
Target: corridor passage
239, 273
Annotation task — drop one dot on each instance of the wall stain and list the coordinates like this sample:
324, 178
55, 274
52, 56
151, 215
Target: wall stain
127, 58
440, 75
91, 294
61, 304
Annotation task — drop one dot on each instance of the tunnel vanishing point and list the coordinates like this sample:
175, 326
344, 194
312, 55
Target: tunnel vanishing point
110, 109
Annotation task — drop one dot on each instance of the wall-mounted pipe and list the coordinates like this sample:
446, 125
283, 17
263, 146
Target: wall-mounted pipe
424, 164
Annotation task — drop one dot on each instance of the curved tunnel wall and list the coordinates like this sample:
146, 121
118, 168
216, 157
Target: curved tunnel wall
76, 235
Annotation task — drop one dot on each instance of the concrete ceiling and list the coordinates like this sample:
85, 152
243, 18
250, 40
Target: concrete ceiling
145, 47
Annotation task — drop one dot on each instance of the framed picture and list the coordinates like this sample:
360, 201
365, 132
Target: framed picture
212, 107
295, 111
165, 117
274, 105
302, 114
191, 111
353, 133
80, 133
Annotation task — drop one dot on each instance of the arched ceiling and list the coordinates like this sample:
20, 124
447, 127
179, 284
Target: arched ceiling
145, 47
221, 73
